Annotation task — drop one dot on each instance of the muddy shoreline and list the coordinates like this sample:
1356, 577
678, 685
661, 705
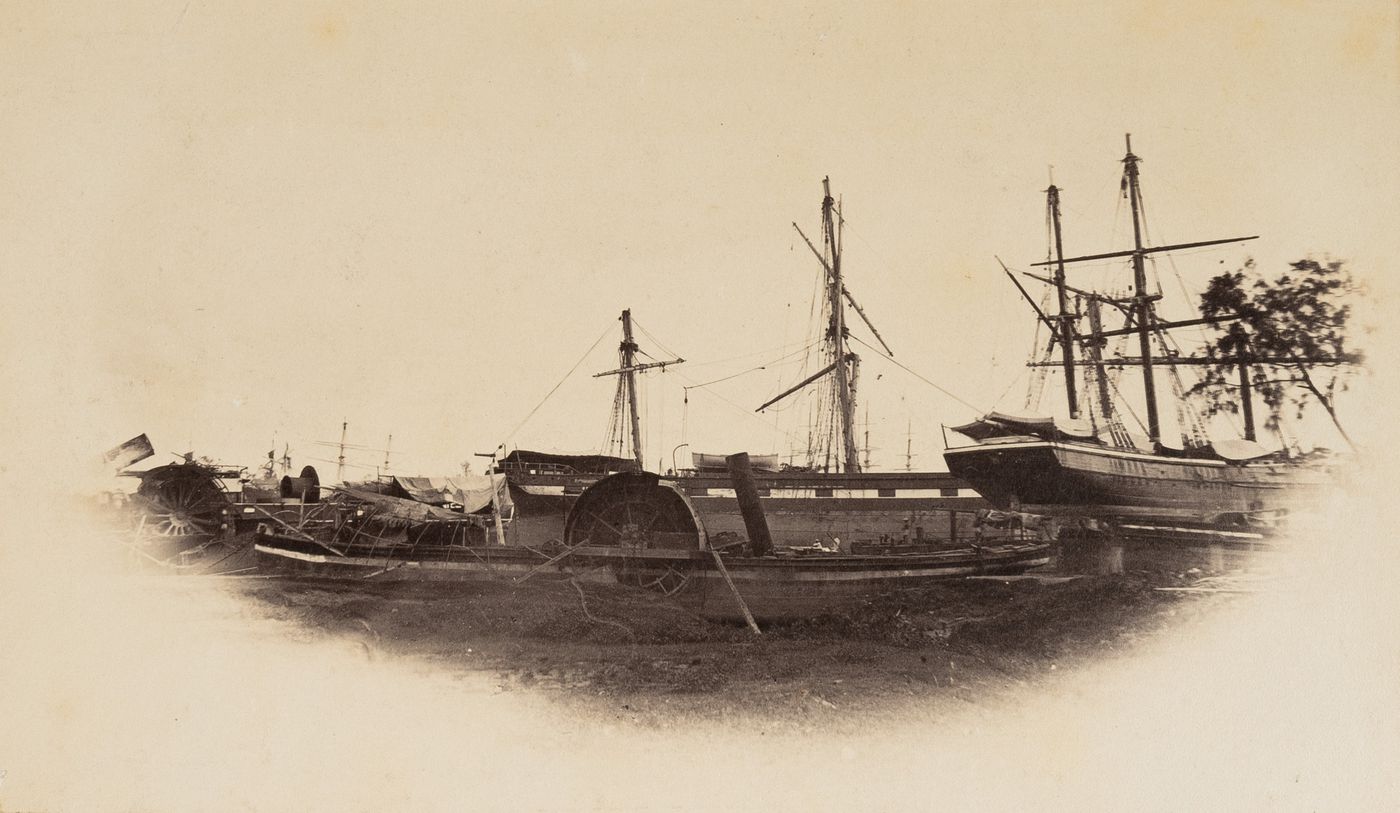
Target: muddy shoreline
631, 655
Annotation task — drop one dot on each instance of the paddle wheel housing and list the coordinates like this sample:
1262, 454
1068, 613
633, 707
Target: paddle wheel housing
640, 514
634, 510
182, 500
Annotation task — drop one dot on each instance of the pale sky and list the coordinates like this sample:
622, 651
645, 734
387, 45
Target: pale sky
225, 223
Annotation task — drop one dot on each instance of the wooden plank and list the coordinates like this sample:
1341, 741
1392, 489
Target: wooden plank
743, 606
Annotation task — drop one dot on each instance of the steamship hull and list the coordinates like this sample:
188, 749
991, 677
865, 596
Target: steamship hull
790, 587
637, 530
772, 587
801, 507
1067, 478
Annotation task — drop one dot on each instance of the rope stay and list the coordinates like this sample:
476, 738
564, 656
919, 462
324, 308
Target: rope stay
559, 384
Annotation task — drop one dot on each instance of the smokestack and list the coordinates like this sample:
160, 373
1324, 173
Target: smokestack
741, 476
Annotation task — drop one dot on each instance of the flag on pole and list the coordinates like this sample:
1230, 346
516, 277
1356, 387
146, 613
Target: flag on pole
136, 449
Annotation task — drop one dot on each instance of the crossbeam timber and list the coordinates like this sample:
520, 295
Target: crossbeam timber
1151, 249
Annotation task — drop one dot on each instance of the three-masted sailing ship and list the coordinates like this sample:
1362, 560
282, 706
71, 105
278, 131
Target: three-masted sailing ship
832, 499
1091, 464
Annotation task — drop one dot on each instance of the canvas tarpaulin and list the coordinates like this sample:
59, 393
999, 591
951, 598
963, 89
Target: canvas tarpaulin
718, 462
565, 462
997, 424
471, 491
399, 511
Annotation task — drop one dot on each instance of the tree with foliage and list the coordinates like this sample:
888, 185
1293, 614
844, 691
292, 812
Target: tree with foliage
1291, 332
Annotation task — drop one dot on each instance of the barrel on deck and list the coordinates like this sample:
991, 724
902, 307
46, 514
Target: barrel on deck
306, 487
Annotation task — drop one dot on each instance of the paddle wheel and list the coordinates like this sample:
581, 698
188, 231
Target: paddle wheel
183, 519
182, 500
651, 522
634, 510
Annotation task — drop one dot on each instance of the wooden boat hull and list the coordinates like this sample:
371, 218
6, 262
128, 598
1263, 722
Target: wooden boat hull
200, 555
801, 507
773, 587
1056, 477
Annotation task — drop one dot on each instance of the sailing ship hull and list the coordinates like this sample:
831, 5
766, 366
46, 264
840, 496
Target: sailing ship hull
1044, 465
1056, 477
772, 587
801, 507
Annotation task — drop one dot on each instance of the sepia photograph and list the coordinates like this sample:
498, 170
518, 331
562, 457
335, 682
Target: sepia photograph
633, 406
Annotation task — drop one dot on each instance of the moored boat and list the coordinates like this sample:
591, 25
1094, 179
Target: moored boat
1090, 464
831, 496
641, 530
1044, 471
803, 506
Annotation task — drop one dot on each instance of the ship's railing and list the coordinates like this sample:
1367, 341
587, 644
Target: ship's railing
537, 468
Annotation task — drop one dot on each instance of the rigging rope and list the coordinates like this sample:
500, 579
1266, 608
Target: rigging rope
1188, 419
726, 378
1035, 386
657, 342
613, 441
888, 266
891, 360
1193, 433
739, 408
1009, 387
1090, 382
1035, 389
556, 387
1127, 406
784, 346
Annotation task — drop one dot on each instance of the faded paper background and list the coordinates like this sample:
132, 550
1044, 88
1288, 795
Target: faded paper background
231, 225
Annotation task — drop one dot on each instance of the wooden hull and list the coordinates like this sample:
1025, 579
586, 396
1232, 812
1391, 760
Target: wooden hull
801, 507
773, 587
806, 586
1063, 477
199, 555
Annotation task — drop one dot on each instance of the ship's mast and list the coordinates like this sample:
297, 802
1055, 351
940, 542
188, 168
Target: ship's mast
845, 365
1247, 400
1095, 350
1142, 303
626, 397
836, 334
628, 380
1065, 318
340, 459
1141, 316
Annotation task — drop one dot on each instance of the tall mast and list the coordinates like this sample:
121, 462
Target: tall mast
844, 364
340, 461
1065, 318
1096, 356
629, 381
626, 398
1142, 308
1246, 400
845, 399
